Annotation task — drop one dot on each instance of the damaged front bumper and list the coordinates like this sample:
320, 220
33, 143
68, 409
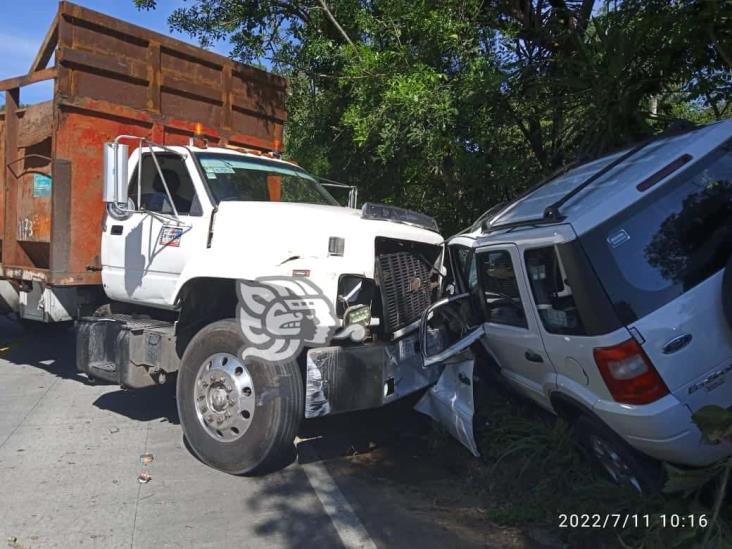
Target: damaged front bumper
346, 379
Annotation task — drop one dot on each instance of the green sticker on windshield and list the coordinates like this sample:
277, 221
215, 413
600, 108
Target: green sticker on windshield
213, 165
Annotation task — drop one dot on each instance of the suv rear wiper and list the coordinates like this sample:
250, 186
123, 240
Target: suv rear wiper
552, 211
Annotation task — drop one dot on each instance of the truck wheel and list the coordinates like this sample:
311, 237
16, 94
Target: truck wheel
623, 463
727, 292
239, 418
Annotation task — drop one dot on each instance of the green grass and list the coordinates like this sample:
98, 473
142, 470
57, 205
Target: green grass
531, 471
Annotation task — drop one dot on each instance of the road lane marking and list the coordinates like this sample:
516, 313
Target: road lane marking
349, 527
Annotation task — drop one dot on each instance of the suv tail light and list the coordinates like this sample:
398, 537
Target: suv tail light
629, 373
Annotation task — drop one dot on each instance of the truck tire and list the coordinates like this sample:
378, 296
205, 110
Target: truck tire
727, 292
624, 464
238, 418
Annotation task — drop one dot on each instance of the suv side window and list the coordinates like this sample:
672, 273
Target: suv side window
552, 293
153, 195
501, 294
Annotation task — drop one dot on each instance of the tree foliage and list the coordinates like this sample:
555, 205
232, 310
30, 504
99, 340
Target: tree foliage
451, 106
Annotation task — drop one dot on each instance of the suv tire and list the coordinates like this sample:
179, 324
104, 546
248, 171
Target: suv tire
238, 417
621, 462
727, 292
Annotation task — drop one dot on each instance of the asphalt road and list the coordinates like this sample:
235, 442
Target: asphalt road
70, 459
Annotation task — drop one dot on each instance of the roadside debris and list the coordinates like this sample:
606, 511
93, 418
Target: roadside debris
113, 429
144, 477
14, 543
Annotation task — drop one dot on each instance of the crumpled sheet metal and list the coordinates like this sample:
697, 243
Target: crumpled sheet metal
450, 400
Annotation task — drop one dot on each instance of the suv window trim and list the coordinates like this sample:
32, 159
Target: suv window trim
526, 326
461, 277
593, 303
545, 324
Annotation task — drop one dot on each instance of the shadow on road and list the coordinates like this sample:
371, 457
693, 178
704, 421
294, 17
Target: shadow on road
47, 347
151, 403
52, 348
376, 457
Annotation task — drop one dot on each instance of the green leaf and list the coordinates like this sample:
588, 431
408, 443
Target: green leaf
689, 481
715, 423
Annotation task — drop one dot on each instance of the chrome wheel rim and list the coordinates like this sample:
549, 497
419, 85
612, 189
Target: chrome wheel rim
224, 397
614, 464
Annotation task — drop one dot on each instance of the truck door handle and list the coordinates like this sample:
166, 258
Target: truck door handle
116, 230
531, 356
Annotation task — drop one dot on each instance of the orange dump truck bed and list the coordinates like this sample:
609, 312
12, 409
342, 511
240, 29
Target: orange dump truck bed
111, 78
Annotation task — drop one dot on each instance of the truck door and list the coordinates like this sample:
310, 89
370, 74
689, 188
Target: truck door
144, 251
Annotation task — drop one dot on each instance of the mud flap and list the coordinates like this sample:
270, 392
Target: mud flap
450, 400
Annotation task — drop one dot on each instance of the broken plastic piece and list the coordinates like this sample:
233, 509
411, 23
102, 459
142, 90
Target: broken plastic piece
144, 477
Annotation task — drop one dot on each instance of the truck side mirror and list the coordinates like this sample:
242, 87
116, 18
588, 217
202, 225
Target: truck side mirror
353, 197
116, 179
456, 331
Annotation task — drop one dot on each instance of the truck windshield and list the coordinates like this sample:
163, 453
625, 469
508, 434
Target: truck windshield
233, 178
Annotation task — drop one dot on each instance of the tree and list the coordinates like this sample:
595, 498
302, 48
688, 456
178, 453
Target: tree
451, 106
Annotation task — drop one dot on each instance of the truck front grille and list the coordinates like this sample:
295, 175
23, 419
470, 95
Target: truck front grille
406, 287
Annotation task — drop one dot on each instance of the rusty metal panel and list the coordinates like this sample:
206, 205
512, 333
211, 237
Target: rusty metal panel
2, 183
79, 139
108, 60
31, 173
111, 78
61, 216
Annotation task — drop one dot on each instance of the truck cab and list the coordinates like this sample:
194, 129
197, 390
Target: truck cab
215, 257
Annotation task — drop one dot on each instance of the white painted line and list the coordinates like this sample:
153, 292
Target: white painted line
350, 529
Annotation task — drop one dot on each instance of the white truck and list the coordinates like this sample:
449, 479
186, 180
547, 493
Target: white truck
186, 228
147, 202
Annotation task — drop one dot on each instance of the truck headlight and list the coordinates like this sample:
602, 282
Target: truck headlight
353, 290
357, 314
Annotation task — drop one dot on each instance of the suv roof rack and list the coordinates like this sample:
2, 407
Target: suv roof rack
677, 127
551, 212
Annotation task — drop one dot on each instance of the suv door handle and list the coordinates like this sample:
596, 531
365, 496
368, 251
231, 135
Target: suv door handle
531, 356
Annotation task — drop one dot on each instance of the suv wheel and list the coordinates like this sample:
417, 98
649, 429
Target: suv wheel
625, 465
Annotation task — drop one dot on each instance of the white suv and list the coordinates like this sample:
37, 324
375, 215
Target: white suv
599, 294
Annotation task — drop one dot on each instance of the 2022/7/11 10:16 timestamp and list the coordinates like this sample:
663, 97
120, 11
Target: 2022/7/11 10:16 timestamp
630, 520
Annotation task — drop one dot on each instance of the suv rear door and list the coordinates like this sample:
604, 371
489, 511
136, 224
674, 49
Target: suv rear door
661, 262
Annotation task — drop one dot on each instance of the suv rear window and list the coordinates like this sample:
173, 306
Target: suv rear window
670, 241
